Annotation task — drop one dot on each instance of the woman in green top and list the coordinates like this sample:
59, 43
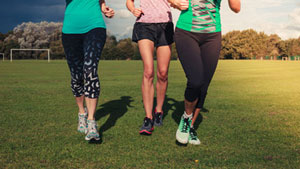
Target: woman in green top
84, 35
198, 42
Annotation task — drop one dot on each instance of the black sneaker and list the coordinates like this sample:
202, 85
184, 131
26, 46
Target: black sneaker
147, 127
158, 118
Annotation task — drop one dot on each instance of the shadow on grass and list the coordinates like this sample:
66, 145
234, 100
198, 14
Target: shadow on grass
115, 109
177, 107
95, 141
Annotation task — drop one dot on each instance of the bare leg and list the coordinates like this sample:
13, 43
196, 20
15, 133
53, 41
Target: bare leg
190, 106
91, 105
163, 61
80, 104
146, 48
196, 113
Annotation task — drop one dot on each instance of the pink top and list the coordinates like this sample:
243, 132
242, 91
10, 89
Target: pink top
155, 11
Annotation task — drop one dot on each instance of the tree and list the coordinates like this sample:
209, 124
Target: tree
126, 49
34, 35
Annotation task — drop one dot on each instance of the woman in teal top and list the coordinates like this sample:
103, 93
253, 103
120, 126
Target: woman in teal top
84, 35
198, 42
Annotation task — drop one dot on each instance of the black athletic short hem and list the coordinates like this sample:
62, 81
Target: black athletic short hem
159, 33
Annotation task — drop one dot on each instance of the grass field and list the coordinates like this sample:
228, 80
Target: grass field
253, 119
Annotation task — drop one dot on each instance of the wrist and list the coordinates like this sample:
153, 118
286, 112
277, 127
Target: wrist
132, 10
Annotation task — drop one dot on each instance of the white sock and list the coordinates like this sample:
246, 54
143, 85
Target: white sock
187, 116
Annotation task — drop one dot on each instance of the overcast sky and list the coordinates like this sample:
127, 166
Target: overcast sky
271, 16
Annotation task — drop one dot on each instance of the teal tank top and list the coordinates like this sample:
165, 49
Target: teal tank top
82, 16
202, 16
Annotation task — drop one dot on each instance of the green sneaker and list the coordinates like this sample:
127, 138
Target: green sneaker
183, 131
193, 139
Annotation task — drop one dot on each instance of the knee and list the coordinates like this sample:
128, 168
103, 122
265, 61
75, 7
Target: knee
76, 78
195, 85
148, 74
162, 76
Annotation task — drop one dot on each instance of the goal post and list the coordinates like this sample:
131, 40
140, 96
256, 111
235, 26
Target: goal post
11, 52
2, 55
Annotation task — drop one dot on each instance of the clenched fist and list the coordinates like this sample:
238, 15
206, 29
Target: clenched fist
179, 4
137, 12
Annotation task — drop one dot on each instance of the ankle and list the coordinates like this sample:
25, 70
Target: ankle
91, 119
150, 117
158, 110
185, 115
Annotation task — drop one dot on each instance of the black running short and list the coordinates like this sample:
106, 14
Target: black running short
160, 33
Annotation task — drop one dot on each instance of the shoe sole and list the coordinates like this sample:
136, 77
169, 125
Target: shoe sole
194, 143
93, 138
158, 124
146, 132
180, 140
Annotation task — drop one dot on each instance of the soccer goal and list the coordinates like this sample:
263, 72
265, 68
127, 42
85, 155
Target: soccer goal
11, 52
2, 55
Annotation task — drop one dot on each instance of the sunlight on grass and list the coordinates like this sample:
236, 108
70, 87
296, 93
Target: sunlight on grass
253, 119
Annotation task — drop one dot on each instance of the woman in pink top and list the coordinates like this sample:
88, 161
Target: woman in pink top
153, 29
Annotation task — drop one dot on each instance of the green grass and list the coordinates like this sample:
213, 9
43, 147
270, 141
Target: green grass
253, 119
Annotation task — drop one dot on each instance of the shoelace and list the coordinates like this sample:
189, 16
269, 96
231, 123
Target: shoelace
157, 117
185, 125
92, 127
146, 121
81, 119
193, 134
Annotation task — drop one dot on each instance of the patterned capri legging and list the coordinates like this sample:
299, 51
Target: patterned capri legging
83, 53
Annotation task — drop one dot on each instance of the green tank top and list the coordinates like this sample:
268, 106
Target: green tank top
82, 16
202, 16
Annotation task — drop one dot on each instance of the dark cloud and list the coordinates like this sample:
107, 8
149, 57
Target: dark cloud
15, 12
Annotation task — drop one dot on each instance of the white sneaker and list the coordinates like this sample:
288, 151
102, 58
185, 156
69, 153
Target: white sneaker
92, 132
183, 131
193, 139
82, 122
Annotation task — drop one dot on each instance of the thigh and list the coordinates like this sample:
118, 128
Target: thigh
94, 42
210, 52
163, 54
146, 48
73, 47
189, 54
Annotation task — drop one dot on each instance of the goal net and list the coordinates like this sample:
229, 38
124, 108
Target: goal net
43, 50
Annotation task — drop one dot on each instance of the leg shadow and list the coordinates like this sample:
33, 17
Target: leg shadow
115, 109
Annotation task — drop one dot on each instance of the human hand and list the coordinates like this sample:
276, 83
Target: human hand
107, 11
180, 4
137, 12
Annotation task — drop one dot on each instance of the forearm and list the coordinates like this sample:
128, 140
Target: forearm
102, 4
179, 4
130, 5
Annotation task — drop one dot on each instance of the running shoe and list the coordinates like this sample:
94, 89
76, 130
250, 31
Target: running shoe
147, 127
92, 132
82, 125
193, 139
183, 131
158, 118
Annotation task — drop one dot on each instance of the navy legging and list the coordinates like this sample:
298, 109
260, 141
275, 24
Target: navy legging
83, 53
198, 54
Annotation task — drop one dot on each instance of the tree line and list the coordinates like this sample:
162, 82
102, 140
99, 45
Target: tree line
246, 44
